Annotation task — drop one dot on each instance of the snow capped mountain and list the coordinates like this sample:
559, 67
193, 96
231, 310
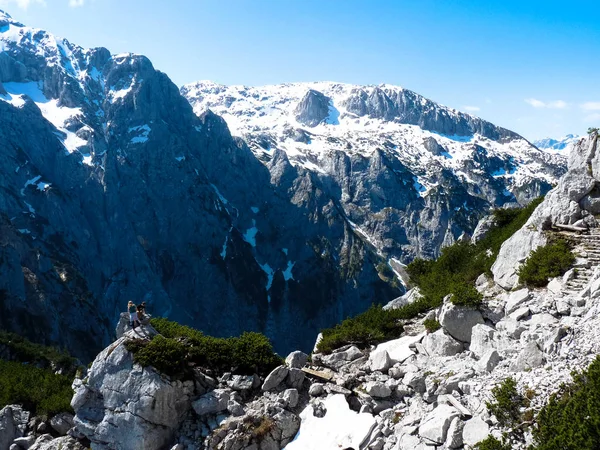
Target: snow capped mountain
310, 120
410, 175
557, 144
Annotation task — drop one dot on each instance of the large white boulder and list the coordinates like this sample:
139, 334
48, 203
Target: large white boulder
442, 344
482, 339
275, 378
399, 350
516, 299
530, 357
474, 431
13, 421
434, 426
212, 402
119, 395
458, 321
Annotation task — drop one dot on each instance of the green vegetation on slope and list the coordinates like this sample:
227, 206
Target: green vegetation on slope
459, 265
571, 419
17, 348
454, 272
179, 347
29, 378
549, 261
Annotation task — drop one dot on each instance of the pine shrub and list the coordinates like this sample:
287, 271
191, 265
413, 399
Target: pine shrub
431, 325
571, 419
466, 295
491, 443
507, 403
38, 390
551, 260
180, 347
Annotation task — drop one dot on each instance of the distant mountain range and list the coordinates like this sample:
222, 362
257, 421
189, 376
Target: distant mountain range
557, 144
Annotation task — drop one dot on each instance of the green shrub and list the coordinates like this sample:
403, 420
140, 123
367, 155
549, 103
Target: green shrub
371, 327
431, 325
22, 350
507, 403
491, 443
39, 390
571, 419
466, 295
551, 260
180, 347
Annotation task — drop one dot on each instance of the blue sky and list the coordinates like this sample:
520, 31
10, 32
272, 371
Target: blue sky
527, 65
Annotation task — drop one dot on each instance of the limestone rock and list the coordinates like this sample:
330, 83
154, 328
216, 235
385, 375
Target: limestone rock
482, 339
435, 425
454, 437
474, 431
13, 421
489, 360
377, 389
316, 390
295, 378
296, 360
398, 349
441, 344
275, 378
380, 361
516, 299
530, 357
61, 423
212, 402
458, 321
121, 395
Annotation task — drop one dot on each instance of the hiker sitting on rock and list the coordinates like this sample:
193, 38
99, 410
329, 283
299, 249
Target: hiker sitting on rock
141, 314
133, 315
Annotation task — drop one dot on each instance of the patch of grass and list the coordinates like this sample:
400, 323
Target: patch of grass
431, 325
571, 419
179, 346
549, 261
38, 390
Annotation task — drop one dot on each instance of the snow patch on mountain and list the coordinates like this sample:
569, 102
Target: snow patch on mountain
561, 144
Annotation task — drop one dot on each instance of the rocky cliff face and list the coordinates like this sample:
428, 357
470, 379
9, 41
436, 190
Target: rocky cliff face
410, 174
113, 189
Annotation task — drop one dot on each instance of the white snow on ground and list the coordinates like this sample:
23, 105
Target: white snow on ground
270, 273
52, 112
287, 273
250, 234
340, 428
180, 158
142, 131
223, 199
41, 186
87, 160
24, 231
254, 209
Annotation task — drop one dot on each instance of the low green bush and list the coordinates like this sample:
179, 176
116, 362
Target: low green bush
371, 327
431, 325
39, 390
180, 347
491, 443
551, 260
466, 295
507, 403
571, 418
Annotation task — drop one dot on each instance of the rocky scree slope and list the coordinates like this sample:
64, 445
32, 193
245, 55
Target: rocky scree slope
113, 189
410, 174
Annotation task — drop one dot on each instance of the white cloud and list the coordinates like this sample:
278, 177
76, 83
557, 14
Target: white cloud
23, 4
76, 3
472, 108
590, 106
556, 104
592, 118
